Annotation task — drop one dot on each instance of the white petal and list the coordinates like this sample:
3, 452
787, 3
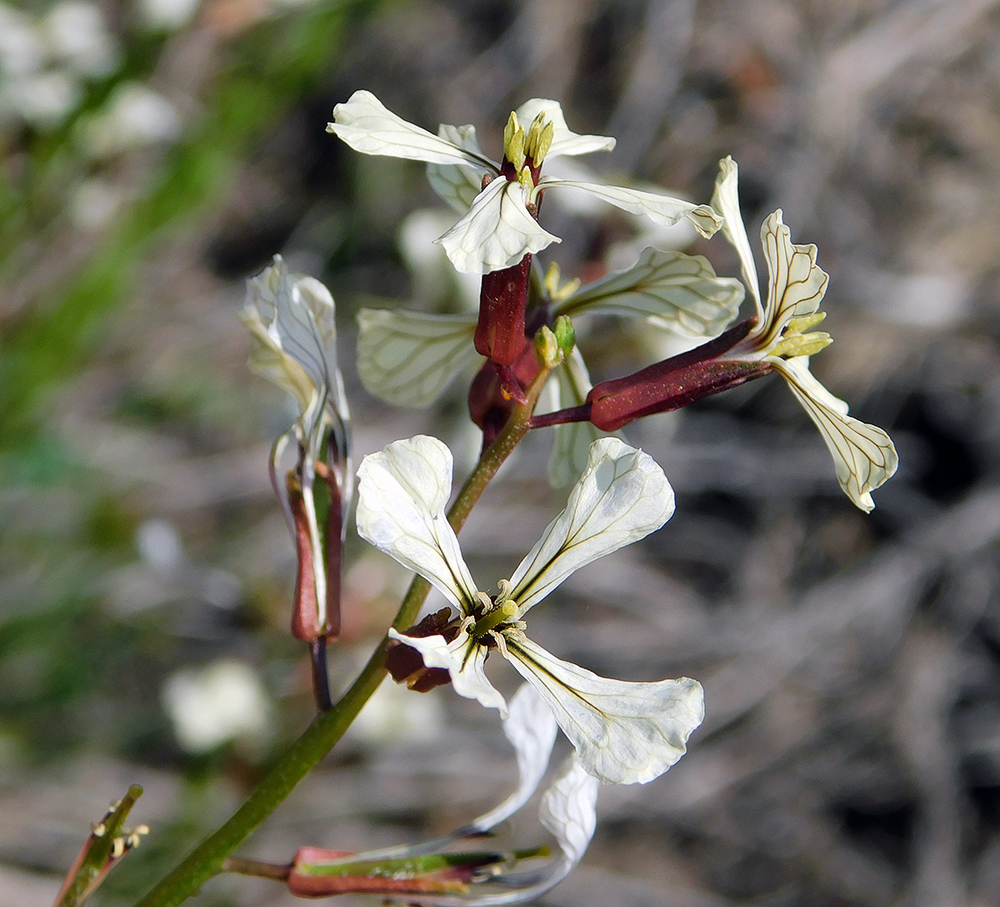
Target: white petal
726, 200
292, 320
365, 124
571, 442
661, 209
621, 497
863, 454
408, 358
569, 810
463, 660
674, 291
497, 232
402, 495
796, 284
531, 728
564, 142
458, 184
624, 733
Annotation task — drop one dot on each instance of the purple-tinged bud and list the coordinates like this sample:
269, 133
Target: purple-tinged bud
503, 300
674, 383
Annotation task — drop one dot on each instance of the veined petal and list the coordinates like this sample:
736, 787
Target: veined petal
863, 455
569, 810
464, 660
402, 495
571, 442
408, 358
726, 200
621, 497
497, 232
531, 727
677, 292
624, 733
459, 184
796, 284
364, 123
661, 209
564, 142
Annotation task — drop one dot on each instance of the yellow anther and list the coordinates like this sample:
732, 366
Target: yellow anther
513, 142
802, 323
801, 345
539, 140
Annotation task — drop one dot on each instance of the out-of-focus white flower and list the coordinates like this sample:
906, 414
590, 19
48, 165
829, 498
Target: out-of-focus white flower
863, 454
498, 227
166, 15
78, 37
222, 702
133, 117
623, 732
22, 48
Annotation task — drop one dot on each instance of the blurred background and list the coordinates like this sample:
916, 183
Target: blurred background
155, 154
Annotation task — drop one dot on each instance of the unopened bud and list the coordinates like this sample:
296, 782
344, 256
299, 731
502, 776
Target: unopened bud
565, 334
547, 348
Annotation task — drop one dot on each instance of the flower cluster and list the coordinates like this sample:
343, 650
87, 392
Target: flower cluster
523, 339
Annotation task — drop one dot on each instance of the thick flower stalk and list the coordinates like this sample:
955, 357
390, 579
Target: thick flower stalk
292, 322
623, 732
779, 337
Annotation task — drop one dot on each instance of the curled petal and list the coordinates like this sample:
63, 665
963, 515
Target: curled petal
678, 292
661, 209
863, 455
796, 284
402, 494
564, 142
531, 727
621, 497
726, 200
364, 123
408, 358
497, 232
569, 811
624, 733
459, 184
464, 660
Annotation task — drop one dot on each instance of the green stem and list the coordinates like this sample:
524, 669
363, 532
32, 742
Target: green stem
208, 858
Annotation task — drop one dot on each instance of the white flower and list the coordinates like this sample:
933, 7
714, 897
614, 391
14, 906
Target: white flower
623, 732
498, 228
863, 454
292, 321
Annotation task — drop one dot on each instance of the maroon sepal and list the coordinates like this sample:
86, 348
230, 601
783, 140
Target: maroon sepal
405, 664
674, 382
503, 300
305, 614
490, 399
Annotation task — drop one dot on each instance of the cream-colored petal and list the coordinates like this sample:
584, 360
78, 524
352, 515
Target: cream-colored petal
621, 497
364, 123
564, 142
402, 496
408, 358
464, 660
531, 728
624, 733
661, 209
680, 293
569, 810
497, 232
571, 442
796, 284
863, 455
459, 184
726, 200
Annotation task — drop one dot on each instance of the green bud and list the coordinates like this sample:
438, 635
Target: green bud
547, 349
565, 335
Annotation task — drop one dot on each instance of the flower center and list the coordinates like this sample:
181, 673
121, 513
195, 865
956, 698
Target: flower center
494, 612
796, 341
527, 150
